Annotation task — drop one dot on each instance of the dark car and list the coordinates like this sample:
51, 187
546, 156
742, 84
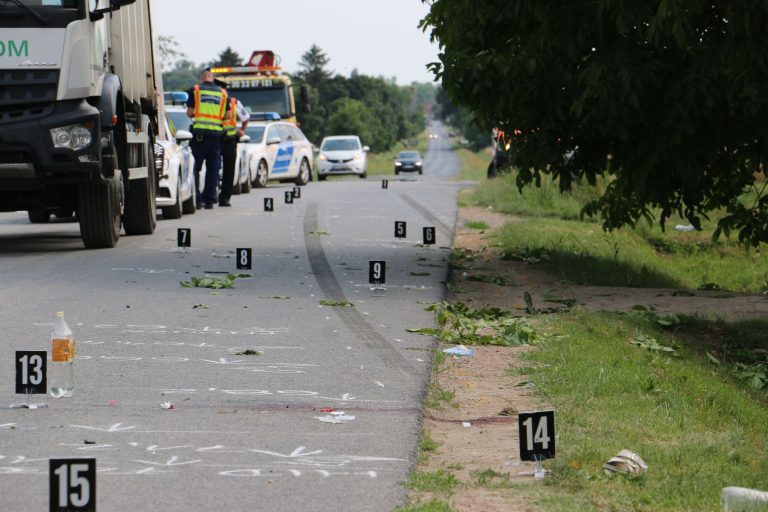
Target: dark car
408, 161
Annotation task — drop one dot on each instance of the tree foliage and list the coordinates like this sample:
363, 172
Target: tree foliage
377, 109
228, 57
666, 97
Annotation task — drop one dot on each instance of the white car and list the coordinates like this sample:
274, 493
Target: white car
176, 193
342, 154
274, 150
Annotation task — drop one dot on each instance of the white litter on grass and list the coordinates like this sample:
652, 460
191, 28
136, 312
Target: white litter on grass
680, 227
459, 350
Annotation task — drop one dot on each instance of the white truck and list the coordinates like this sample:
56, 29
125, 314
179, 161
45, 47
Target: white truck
80, 105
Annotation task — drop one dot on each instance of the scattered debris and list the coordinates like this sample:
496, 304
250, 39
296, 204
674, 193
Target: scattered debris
336, 417
112, 403
508, 411
246, 352
168, 406
200, 306
466, 424
85, 441
459, 350
626, 462
338, 303
216, 283
420, 274
319, 233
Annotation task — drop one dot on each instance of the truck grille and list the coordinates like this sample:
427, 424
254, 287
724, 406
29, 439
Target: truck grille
27, 94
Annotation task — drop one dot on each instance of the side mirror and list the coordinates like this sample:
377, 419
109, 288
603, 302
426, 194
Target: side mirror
366, 148
245, 139
274, 140
183, 136
305, 99
114, 5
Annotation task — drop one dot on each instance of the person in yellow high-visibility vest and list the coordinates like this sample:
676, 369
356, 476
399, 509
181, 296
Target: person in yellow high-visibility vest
232, 134
208, 107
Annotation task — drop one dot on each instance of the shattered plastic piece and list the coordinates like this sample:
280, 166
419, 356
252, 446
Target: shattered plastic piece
112, 403
689, 227
626, 462
737, 499
460, 350
327, 409
168, 406
336, 417
466, 424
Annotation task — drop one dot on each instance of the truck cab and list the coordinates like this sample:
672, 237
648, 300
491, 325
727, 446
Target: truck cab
80, 98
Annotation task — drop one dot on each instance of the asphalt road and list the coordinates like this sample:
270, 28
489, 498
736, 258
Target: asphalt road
244, 432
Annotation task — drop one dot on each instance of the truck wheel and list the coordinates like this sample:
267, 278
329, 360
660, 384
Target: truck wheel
174, 211
261, 175
303, 177
141, 199
100, 212
38, 215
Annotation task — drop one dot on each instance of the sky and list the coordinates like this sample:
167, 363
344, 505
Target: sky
376, 37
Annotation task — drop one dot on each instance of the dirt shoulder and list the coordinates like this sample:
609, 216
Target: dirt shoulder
477, 429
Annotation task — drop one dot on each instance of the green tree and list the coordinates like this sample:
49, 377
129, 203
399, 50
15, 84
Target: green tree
184, 75
666, 97
352, 117
168, 50
313, 66
228, 57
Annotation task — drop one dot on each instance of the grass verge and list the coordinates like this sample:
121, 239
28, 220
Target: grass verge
697, 426
552, 236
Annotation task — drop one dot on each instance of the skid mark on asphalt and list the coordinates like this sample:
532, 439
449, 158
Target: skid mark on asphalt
428, 215
351, 318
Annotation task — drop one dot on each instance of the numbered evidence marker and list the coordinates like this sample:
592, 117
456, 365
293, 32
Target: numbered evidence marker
269, 204
184, 237
297, 192
384, 184
244, 259
377, 272
72, 485
429, 236
31, 373
288, 197
537, 435
400, 229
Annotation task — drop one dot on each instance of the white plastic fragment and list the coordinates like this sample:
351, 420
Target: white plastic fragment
336, 417
459, 350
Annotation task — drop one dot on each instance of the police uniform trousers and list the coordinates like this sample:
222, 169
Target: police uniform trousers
207, 149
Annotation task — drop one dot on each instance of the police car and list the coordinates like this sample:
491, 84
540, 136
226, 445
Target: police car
274, 150
176, 193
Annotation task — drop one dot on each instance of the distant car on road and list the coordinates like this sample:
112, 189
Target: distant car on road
408, 161
342, 154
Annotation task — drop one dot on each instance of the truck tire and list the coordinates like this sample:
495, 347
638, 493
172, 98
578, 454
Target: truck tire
38, 215
100, 212
174, 211
141, 199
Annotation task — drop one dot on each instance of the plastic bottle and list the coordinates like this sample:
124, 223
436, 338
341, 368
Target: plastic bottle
739, 499
62, 374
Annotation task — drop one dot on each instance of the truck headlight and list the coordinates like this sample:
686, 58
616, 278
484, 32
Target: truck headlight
73, 137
